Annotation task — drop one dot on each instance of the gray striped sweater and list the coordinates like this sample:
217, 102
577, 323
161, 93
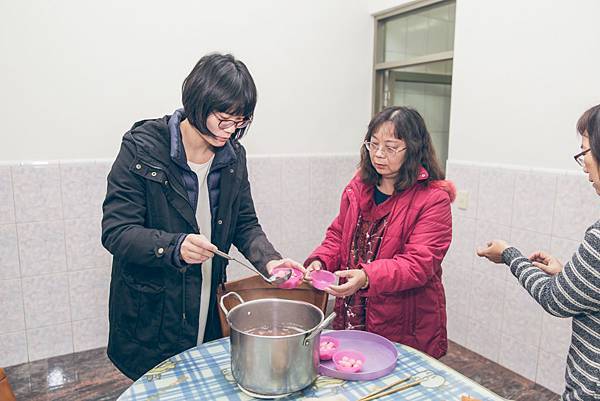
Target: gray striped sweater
575, 292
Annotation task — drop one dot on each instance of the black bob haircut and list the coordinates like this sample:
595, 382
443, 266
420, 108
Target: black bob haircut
218, 83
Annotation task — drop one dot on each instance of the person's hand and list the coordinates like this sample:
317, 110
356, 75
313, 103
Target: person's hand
357, 278
493, 250
546, 262
286, 262
196, 248
314, 265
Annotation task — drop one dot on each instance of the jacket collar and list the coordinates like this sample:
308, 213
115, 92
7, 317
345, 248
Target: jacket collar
364, 194
358, 184
223, 156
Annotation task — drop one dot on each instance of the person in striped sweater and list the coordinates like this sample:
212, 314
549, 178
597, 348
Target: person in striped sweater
572, 290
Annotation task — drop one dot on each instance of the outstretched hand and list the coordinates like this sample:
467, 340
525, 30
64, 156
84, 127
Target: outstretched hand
493, 250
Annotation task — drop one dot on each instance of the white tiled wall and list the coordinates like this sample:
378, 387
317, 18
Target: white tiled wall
55, 274
53, 271
488, 310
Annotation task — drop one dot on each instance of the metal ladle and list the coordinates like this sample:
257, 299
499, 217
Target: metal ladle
276, 280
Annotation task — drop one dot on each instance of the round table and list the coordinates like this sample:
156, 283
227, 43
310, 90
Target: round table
203, 373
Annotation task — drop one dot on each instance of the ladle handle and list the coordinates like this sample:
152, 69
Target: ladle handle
318, 329
235, 294
229, 257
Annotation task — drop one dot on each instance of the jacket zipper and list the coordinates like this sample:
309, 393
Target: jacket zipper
183, 273
184, 270
179, 193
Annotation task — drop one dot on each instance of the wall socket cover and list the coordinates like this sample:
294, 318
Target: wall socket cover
462, 200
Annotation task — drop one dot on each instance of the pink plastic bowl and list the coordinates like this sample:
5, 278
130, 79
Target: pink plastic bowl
322, 279
354, 359
327, 354
295, 279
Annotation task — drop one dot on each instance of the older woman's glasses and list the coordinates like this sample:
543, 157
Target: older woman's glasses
224, 124
386, 150
579, 156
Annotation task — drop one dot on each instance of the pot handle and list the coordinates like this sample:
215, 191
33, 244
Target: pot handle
235, 294
318, 329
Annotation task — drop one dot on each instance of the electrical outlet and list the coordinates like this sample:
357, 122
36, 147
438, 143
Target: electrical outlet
462, 200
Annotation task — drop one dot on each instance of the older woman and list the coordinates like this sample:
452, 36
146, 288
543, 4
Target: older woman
390, 236
572, 290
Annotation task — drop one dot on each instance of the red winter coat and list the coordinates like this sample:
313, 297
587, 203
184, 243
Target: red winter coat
406, 297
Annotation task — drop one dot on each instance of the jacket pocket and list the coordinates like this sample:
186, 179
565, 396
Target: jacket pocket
393, 316
407, 305
148, 171
142, 310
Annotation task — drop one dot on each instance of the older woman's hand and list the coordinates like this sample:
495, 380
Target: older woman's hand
493, 250
314, 265
546, 262
357, 278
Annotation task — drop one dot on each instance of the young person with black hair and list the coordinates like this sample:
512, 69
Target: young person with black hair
390, 237
177, 191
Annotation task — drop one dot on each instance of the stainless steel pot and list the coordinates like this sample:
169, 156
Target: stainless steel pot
273, 365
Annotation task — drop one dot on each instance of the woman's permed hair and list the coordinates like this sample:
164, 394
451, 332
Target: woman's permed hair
409, 126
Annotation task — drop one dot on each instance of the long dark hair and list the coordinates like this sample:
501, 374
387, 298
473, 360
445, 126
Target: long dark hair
589, 124
218, 83
409, 126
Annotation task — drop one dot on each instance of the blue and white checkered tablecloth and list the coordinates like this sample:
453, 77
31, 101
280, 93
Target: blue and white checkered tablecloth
203, 373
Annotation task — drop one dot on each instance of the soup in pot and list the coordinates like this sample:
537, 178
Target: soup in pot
278, 330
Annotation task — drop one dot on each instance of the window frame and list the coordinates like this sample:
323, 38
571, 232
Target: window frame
380, 68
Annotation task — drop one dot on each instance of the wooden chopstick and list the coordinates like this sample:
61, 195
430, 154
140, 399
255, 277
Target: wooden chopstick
379, 395
407, 378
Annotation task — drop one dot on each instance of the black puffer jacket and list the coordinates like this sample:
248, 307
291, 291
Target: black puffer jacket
154, 301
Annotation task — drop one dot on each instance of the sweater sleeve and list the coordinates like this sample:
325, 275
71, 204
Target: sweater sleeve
572, 292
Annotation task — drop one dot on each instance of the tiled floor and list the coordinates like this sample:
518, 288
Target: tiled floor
87, 375
90, 375
495, 377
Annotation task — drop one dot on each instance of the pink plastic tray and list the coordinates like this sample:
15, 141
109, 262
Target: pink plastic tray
382, 355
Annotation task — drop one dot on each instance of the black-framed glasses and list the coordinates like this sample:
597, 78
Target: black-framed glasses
385, 149
224, 124
579, 156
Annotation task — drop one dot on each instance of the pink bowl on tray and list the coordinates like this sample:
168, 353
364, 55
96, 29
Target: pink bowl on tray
321, 279
295, 279
327, 347
348, 360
